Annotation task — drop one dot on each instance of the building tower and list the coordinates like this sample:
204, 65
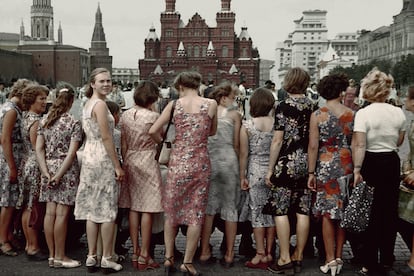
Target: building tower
99, 52
42, 20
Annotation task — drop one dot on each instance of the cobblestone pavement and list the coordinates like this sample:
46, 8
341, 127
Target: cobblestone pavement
21, 266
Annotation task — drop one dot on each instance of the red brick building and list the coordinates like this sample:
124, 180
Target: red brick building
216, 52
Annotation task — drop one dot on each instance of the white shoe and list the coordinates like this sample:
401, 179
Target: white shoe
108, 266
92, 263
332, 266
340, 264
66, 264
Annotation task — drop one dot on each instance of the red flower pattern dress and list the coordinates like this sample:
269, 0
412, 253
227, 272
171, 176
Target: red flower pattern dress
186, 191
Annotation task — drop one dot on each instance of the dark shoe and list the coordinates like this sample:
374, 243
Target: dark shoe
37, 257
145, 263
211, 260
297, 266
226, 264
286, 269
406, 271
259, 265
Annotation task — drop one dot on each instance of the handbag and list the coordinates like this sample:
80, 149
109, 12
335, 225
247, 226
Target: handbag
164, 148
358, 210
406, 204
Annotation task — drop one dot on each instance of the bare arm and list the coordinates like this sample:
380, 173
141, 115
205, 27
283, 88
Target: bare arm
101, 114
9, 121
244, 153
358, 154
313, 151
235, 115
274, 154
67, 162
401, 136
40, 155
156, 129
212, 112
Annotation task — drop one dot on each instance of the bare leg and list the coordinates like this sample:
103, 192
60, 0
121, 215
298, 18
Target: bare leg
92, 229
340, 240
205, 238
146, 231
259, 235
283, 233
49, 225
25, 227
134, 231
328, 232
302, 232
107, 232
193, 235
170, 232
270, 238
6, 215
60, 231
230, 232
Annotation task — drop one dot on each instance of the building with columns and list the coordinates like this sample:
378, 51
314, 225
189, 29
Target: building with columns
216, 52
389, 42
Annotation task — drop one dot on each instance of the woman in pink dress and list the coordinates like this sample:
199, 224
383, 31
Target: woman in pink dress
141, 192
184, 197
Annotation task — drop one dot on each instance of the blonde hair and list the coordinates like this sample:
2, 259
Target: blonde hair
376, 86
296, 81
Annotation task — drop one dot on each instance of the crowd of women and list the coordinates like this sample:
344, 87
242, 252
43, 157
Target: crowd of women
280, 165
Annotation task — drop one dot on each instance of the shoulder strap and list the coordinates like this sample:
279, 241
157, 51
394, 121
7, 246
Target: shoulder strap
169, 122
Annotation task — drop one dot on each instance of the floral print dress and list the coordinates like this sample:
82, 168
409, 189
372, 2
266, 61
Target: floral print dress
184, 196
9, 193
57, 142
97, 196
291, 169
334, 160
29, 173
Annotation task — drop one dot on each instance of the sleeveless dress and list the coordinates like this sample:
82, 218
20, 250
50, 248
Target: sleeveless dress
334, 160
9, 193
29, 172
141, 191
97, 196
258, 161
185, 193
224, 193
57, 142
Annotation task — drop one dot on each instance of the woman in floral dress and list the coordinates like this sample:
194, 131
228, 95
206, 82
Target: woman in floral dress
97, 196
287, 172
184, 196
329, 157
11, 150
141, 192
224, 191
60, 136
34, 104
256, 136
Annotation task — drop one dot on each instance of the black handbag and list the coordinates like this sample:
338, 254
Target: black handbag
358, 209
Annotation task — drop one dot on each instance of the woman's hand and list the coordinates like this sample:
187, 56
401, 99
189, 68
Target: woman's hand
357, 178
409, 179
268, 182
244, 184
312, 182
119, 174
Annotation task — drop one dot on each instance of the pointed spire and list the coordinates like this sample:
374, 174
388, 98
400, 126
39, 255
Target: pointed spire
60, 34
98, 31
211, 52
158, 70
152, 34
51, 33
181, 50
233, 69
244, 34
22, 31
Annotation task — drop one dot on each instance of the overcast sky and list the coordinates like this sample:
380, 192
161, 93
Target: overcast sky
127, 22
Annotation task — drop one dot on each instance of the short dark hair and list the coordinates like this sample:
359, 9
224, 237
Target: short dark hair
113, 107
331, 86
30, 93
146, 93
261, 102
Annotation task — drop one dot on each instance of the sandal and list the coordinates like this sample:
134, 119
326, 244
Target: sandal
134, 261
187, 271
145, 263
260, 264
169, 269
7, 252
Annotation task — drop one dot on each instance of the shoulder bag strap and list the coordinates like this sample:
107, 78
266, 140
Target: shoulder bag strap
169, 122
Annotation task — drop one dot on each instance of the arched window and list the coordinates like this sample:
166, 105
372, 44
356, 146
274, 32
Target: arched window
169, 51
244, 52
224, 51
151, 53
196, 51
